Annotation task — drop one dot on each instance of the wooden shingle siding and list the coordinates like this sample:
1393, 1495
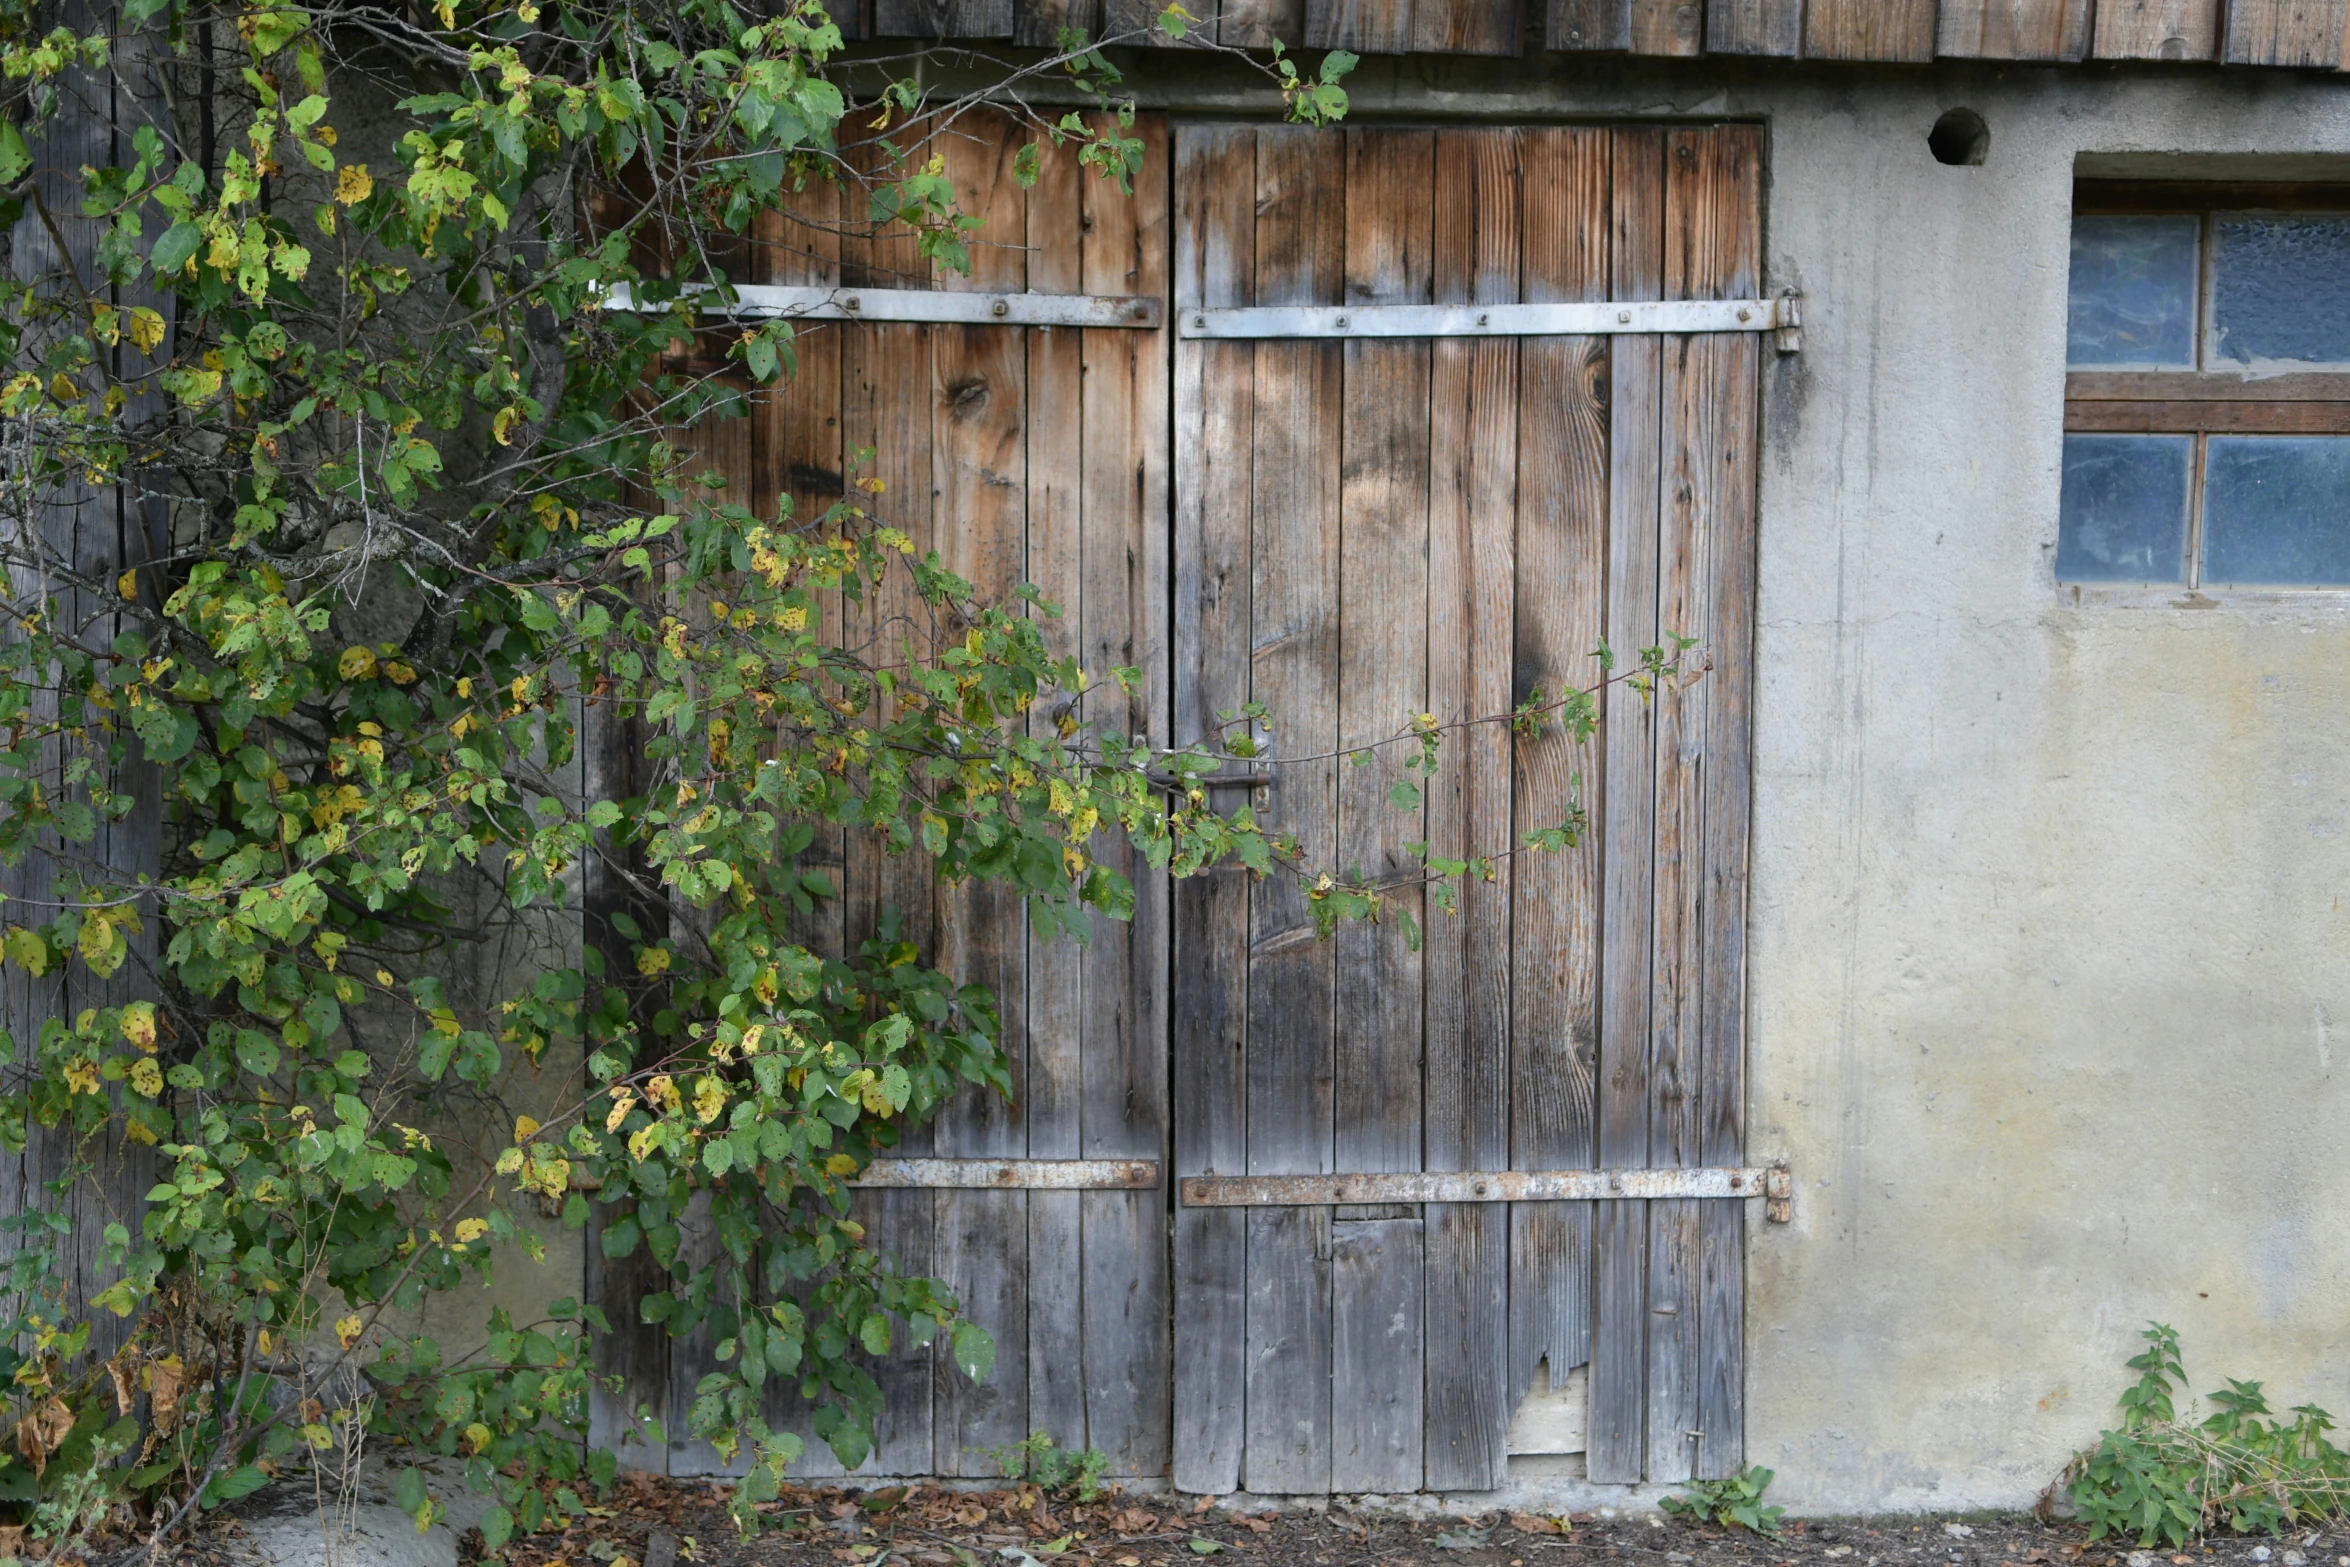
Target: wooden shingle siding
2286, 32
2280, 33
2014, 29
1869, 29
2157, 29
1770, 27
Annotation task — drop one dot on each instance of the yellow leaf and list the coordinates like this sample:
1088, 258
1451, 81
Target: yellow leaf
840, 1164
138, 1025
347, 1330
146, 329
383, 977
523, 1127
357, 663
81, 1077
663, 1092
709, 1099
98, 943
653, 960
472, 1229
510, 1161
137, 1131
128, 585
623, 1100
643, 1141
478, 1434
751, 1037
353, 184
147, 1077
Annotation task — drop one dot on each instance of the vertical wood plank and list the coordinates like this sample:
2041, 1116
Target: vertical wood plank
1589, 24
1467, 27
942, 18
1125, 592
1055, 1082
1258, 24
979, 478
1365, 26
886, 380
1869, 29
1472, 569
1618, 1354
1560, 615
2157, 30
1767, 27
1382, 682
1037, 24
1215, 265
2013, 29
2286, 32
1294, 590
1720, 226
1376, 1416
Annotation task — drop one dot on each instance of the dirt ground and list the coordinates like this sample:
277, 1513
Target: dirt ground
929, 1527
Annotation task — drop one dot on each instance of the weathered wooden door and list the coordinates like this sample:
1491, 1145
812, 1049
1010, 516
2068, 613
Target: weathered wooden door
1370, 529
1020, 453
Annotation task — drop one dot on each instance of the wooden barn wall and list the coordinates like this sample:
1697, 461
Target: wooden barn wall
2287, 33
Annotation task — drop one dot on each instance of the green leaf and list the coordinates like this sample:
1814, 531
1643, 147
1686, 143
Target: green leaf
974, 1351
243, 1480
873, 1333
497, 1527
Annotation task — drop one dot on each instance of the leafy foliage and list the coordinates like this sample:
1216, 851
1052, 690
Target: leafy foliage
1735, 1501
2167, 1479
1073, 1472
430, 551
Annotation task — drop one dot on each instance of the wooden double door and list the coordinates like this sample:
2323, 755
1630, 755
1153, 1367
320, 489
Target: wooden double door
1350, 532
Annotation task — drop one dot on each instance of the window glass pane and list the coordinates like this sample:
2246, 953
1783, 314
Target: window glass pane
2280, 290
2124, 516
2133, 292
2276, 509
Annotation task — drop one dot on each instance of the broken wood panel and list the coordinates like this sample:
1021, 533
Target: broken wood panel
1869, 29
978, 484
1294, 595
2013, 29
2156, 30
1472, 569
1364, 26
1766, 27
1467, 27
1054, 1099
1628, 839
1561, 565
943, 18
1375, 1340
2286, 32
1215, 265
1124, 590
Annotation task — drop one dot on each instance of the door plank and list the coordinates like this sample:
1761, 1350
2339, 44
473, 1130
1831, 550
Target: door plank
886, 399
1123, 505
1769, 27
1869, 29
1667, 27
942, 18
1561, 560
1382, 682
1037, 24
1258, 24
2286, 32
1215, 261
1055, 1080
1472, 568
1294, 589
2157, 30
1376, 1325
1721, 257
1618, 1355
2014, 29
979, 416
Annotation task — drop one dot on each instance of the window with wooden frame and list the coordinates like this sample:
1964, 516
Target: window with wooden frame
2207, 387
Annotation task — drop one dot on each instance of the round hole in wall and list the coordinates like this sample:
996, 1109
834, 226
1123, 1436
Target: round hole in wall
1959, 138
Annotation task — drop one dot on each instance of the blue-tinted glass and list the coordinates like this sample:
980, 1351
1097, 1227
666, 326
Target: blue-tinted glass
2276, 509
2124, 515
2133, 292
2280, 290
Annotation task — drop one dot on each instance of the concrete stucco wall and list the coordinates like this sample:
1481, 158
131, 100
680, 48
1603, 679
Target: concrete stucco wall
2048, 947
